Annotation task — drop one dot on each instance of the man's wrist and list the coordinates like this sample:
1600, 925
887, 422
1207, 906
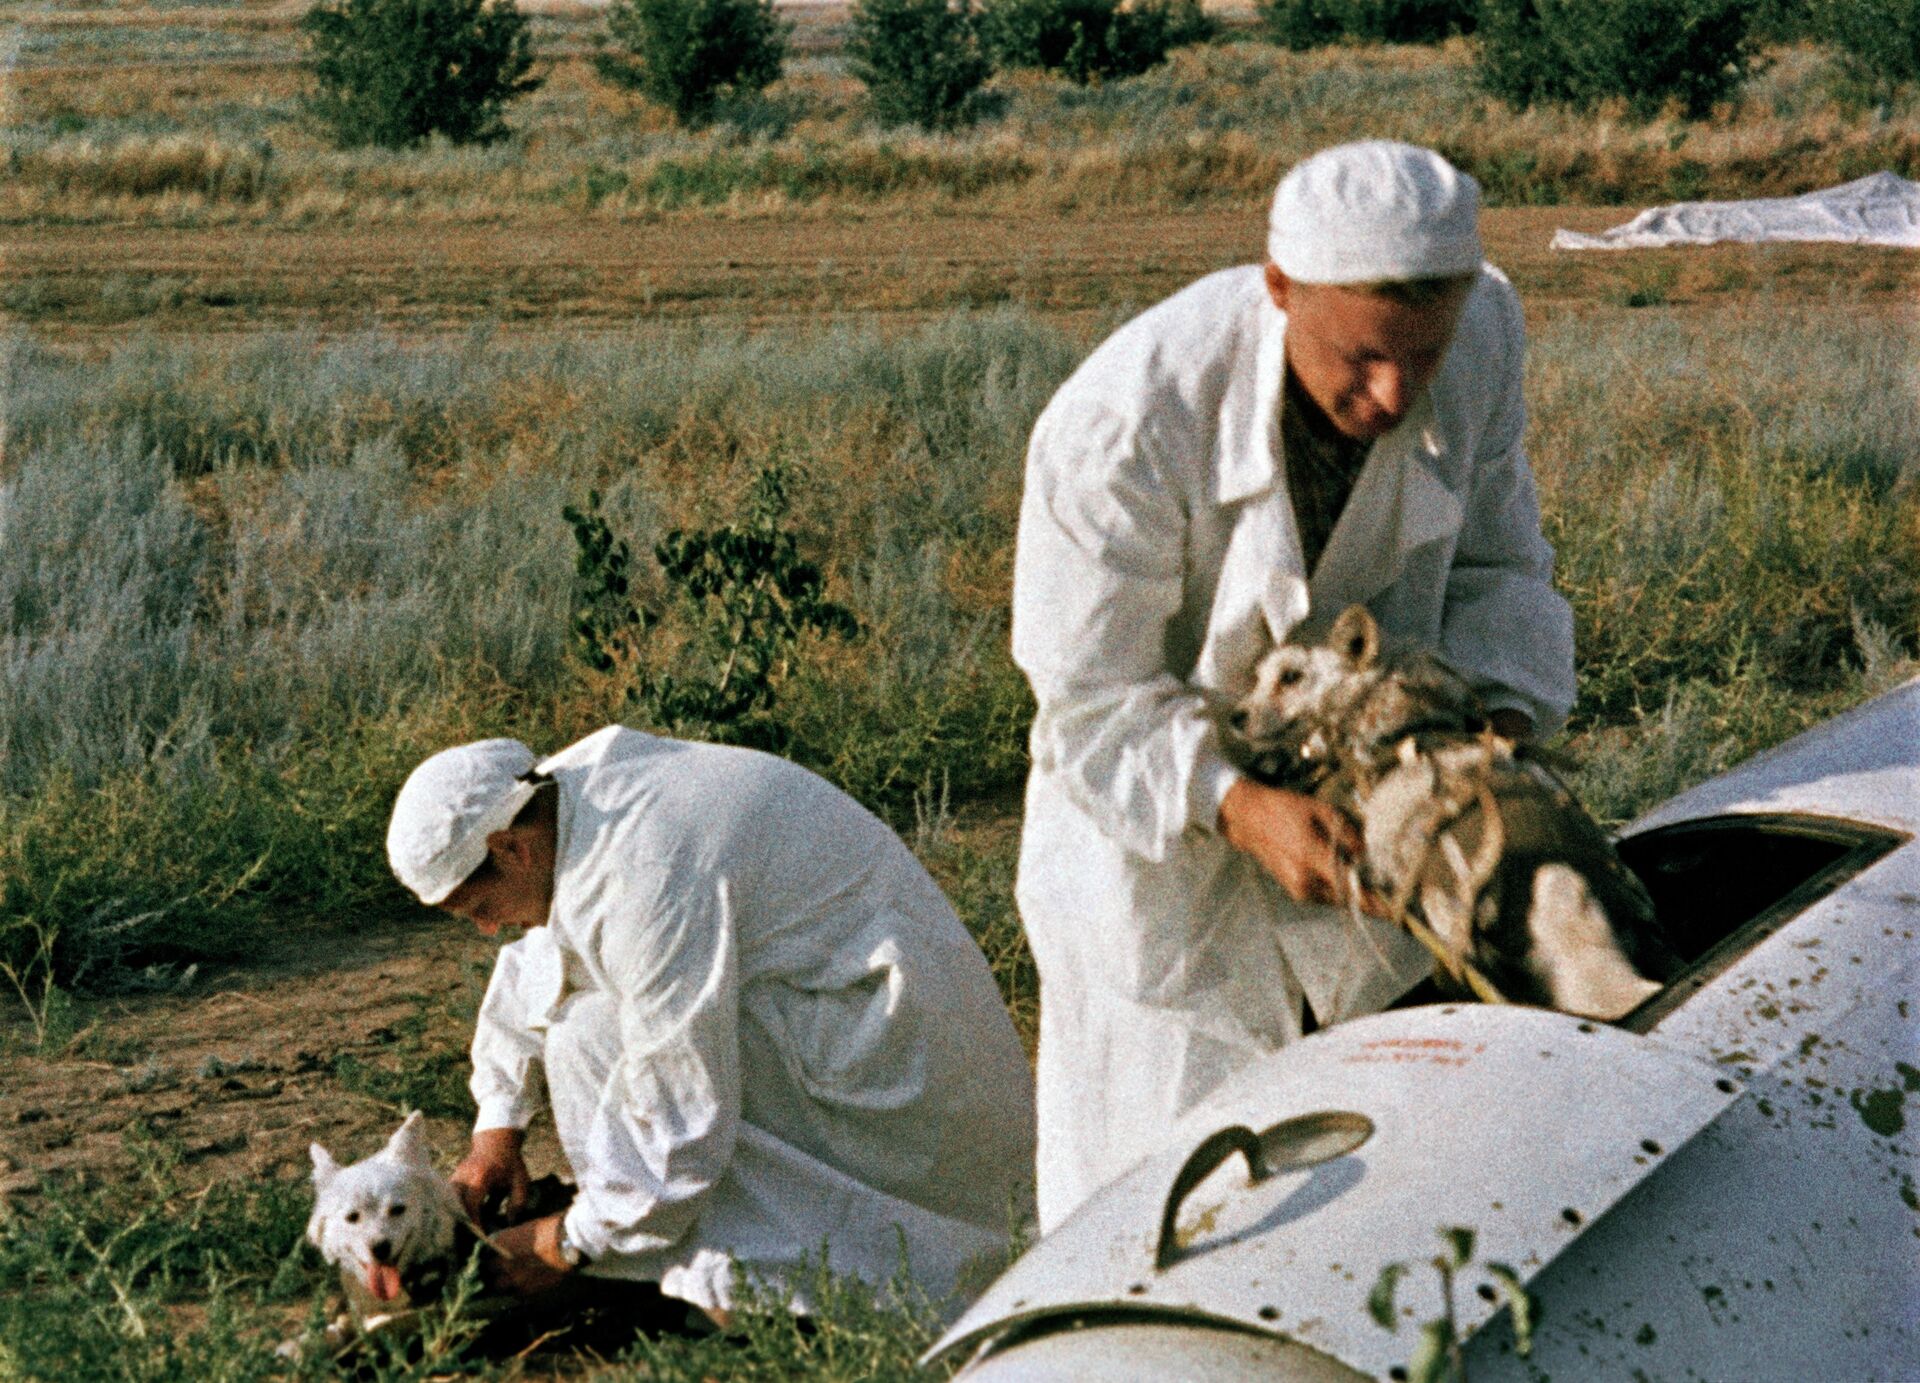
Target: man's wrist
1213, 780
571, 1253
498, 1139
556, 1247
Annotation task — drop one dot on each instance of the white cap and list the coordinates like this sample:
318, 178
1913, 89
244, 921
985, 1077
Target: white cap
1374, 212
449, 806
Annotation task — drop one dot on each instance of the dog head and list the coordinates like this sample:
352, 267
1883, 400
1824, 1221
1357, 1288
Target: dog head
1290, 721
385, 1216
1343, 702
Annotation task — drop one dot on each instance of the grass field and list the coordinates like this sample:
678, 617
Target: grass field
287, 437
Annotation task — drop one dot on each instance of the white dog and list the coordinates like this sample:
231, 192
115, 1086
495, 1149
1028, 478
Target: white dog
388, 1222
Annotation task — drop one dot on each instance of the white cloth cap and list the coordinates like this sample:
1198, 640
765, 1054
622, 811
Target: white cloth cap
448, 807
1374, 212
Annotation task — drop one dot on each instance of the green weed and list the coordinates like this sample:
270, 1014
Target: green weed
1437, 1356
744, 598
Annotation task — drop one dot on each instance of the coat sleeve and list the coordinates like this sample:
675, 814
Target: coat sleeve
1098, 578
1504, 626
506, 1081
663, 1134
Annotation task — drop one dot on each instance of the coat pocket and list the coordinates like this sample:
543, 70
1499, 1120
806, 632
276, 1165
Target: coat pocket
854, 1038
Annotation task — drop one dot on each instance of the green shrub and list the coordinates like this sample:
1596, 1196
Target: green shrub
1782, 21
393, 72
1583, 52
921, 60
1879, 43
1304, 24
1300, 24
1090, 40
744, 597
689, 55
1143, 34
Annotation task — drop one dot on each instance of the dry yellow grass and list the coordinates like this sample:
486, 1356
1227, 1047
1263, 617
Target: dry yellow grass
1215, 126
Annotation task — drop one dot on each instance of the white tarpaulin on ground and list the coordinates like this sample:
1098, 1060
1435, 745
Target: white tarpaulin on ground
1880, 209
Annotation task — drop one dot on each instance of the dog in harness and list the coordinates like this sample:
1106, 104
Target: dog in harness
1470, 839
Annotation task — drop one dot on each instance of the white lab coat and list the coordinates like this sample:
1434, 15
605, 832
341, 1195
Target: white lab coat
1157, 561
763, 1030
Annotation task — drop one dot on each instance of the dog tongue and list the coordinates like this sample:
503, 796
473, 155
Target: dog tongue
383, 1280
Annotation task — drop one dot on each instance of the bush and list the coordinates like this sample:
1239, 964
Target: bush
690, 54
1300, 24
1782, 21
1583, 52
1879, 42
1089, 40
1304, 24
744, 598
921, 60
393, 72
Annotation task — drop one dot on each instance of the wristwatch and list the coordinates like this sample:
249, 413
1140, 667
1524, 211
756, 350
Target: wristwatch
574, 1256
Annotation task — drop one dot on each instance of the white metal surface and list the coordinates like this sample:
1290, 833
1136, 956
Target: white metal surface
1863, 765
1522, 1124
1156, 1351
1783, 1243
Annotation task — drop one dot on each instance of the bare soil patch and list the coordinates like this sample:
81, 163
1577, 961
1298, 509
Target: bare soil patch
605, 274
252, 1063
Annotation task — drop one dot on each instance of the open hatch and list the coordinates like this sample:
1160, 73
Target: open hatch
1722, 885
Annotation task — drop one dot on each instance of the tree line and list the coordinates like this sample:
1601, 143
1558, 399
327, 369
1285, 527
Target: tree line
396, 72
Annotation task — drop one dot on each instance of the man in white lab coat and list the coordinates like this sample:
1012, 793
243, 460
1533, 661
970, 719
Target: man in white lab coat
1341, 424
763, 1032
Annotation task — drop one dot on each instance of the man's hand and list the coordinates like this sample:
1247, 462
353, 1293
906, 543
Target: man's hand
1308, 845
493, 1169
528, 1261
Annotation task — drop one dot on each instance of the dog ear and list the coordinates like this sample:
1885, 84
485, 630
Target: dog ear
1355, 636
325, 1169
409, 1142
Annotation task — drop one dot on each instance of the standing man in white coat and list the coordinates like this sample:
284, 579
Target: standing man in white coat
1341, 424
763, 1032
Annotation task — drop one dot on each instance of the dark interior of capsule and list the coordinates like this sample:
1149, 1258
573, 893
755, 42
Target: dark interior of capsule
1722, 886
1710, 879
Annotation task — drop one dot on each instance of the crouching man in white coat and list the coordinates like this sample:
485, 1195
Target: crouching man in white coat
763, 1032
1341, 424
